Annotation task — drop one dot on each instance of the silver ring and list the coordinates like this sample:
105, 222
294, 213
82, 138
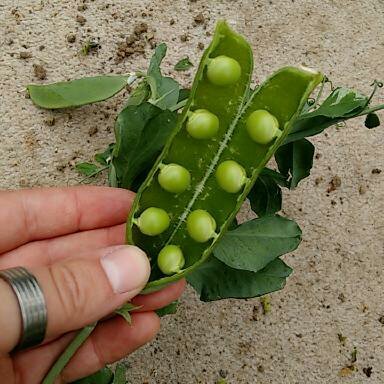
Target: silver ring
32, 305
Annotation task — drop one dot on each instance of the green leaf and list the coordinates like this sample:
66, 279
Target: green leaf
164, 90
104, 376
372, 121
141, 132
140, 94
86, 169
168, 93
125, 311
295, 160
155, 62
265, 196
341, 104
276, 176
76, 92
104, 158
120, 374
183, 94
170, 309
214, 280
183, 64
256, 243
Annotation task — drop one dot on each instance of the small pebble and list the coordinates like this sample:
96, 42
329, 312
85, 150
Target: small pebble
50, 121
199, 18
362, 189
71, 38
25, 55
39, 71
260, 368
367, 371
81, 19
223, 373
334, 184
140, 28
92, 131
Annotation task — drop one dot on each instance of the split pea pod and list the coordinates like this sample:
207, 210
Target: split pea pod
224, 138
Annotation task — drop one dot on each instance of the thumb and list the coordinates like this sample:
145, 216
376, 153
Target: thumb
79, 291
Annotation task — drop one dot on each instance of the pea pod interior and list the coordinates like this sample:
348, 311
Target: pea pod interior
283, 95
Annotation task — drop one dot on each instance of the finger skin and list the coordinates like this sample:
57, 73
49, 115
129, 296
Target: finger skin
30, 367
35, 214
159, 299
109, 342
78, 292
47, 252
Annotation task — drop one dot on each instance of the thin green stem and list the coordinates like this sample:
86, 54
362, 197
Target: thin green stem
161, 98
94, 173
376, 84
325, 80
179, 105
63, 360
370, 110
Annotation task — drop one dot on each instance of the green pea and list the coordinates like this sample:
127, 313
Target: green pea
201, 226
223, 70
230, 176
262, 127
170, 259
153, 221
202, 124
174, 178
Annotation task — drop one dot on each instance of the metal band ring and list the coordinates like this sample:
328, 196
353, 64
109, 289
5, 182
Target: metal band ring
32, 305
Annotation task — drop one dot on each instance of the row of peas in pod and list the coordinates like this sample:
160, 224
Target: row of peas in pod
221, 144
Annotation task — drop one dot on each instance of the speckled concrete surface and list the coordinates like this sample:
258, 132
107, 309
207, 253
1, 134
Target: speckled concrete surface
337, 287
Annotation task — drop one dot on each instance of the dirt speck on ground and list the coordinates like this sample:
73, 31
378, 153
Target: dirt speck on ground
50, 121
368, 371
362, 189
39, 71
199, 18
25, 55
334, 184
92, 131
71, 38
136, 42
81, 19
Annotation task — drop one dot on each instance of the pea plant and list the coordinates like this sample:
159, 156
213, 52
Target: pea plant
194, 156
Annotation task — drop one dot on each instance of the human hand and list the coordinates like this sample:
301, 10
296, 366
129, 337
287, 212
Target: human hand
71, 240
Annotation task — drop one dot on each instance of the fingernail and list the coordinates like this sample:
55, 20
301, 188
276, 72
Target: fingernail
127, 268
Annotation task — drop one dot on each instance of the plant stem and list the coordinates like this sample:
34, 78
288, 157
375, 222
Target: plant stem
94, 173
179, 105
315, 104
63, 360
370, 110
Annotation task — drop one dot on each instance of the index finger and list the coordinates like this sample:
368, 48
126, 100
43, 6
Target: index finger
42, 213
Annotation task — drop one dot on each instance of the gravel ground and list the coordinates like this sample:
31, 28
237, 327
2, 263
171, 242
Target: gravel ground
337, 287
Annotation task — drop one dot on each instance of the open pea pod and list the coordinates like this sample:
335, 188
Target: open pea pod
222, 162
